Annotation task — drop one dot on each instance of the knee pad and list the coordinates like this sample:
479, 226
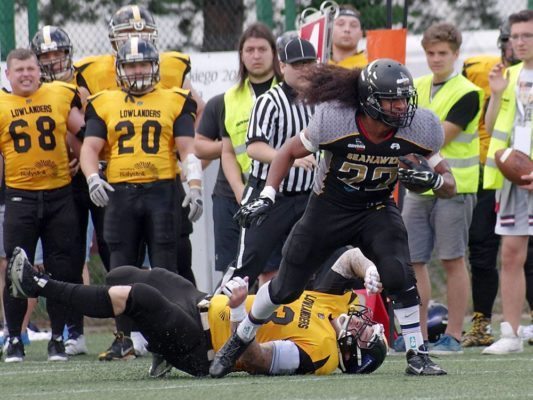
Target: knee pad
405, 299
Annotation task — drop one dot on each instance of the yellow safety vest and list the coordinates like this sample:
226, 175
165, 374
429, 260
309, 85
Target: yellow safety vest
238, 103
462, 153
501, 136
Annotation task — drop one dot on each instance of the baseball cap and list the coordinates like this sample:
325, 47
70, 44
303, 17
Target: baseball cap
297, 50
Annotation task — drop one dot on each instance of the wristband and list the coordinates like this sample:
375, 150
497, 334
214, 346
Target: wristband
238, 313
270, 192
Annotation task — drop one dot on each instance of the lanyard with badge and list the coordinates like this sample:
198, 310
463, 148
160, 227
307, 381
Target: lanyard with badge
522, 132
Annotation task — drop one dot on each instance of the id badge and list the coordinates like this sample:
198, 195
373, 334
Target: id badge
522, 139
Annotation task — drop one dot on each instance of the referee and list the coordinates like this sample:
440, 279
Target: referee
276, 117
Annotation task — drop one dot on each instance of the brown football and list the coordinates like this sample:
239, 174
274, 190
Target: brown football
411, 157
513, 164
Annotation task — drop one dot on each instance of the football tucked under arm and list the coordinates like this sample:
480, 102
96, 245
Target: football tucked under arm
417, 175
513, 164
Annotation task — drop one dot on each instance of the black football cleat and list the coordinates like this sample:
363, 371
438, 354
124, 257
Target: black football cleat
419, 363
227, 356
160, 367
24, 280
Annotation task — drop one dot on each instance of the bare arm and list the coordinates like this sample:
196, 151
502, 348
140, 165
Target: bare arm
448, 188
232, 169
89, 155
207, 149
290, 151
451, 131
498, 83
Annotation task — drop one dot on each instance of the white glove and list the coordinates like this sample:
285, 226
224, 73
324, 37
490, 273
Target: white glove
372, 281
236, 289
194, 200
234, 283
97, 190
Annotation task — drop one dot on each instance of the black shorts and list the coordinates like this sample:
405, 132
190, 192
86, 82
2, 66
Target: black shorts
138, 213
377, 230
164, 307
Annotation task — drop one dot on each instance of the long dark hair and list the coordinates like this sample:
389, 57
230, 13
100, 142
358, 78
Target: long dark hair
260, 31
329, 82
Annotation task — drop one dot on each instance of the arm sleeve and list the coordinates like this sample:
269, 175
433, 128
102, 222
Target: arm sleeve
184, 123
464, 110
263, 118
94, 125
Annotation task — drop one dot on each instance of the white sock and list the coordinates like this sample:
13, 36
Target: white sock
409, 319
262, 308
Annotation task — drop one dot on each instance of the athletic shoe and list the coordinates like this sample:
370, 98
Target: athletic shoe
419, 363
139, 343
24, 281
56, 349
160, 367
446, 345
14, 350
76, 346
509, 342
480, 333
121, 349
227, 356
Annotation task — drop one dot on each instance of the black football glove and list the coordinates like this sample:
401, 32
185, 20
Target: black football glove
253, 213
420, 176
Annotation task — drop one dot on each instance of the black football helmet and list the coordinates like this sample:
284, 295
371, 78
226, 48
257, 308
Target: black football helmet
437, 321
53, 39
131, 21
361, 341
386, 79
137, 50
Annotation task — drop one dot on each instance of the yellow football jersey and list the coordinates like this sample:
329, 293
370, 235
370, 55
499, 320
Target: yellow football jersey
305, 322
476, 69
97, 73
33, 133
140, 133
358, 60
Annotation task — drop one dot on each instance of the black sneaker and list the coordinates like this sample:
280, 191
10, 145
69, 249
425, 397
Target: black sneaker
160, 367
227, 356
419, 363
56, 349
121, 349
14, 350
24, 281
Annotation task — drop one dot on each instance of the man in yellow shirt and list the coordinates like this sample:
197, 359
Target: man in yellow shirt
347, 32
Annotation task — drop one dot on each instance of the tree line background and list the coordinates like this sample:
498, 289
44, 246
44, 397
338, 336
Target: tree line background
215, 25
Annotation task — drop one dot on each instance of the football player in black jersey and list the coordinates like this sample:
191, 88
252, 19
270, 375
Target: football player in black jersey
364, 122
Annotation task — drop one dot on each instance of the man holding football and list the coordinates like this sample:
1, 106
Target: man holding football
509, 117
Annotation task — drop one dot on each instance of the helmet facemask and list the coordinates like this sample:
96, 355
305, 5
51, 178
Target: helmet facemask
361, 342
52, 39
136, 51
58, 68
376, 110
130, 22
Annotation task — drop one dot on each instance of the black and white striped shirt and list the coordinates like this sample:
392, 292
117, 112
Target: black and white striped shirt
276, 117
